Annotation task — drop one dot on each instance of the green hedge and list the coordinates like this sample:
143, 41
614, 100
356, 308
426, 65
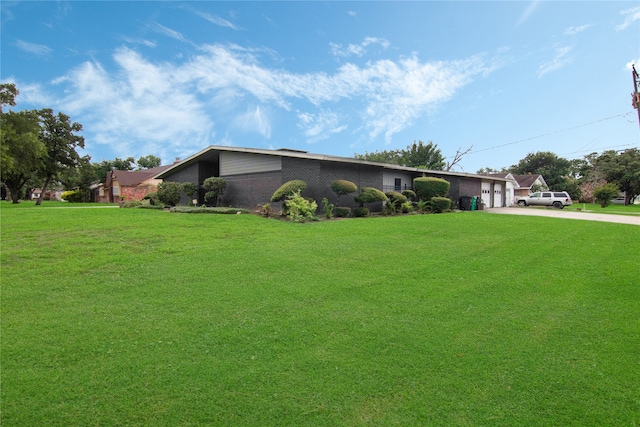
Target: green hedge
440, 204
227, 210
361, 212
427, 187
341, 212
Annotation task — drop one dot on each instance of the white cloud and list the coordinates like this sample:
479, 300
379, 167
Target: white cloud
635, 62
561, 59
528, 12
575, 30
320, 126
159, 28
255, 121
36, 49
357, 49
216, 20
144, 42
630, 16
157, 104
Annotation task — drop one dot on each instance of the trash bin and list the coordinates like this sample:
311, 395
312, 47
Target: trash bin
481, 206
465, 203
474, 203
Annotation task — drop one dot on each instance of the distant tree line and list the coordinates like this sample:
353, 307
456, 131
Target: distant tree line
582, 177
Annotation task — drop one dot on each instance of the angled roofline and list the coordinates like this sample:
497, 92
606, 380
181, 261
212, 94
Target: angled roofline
310, 156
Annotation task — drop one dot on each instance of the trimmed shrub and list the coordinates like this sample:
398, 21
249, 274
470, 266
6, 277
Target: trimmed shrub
152, 198
427, 187
72, 196
360, 212
440, 204
300, 209
370, 195
205, 210
169, 193
342, 187
605, 193
132, 204
396, 196
409, 194
287, 189
341, 212
214, 188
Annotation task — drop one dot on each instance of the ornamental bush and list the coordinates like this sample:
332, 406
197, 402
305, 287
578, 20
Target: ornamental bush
327, 208
370, 195
214, 188
287, 189
169, 192
300, 209
427, 187
399, 198
409, 194
342, 187
605, 193
341, 212
72, 196
360, 212
152, 198
440, 204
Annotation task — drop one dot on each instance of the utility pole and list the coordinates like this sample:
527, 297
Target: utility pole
635, 96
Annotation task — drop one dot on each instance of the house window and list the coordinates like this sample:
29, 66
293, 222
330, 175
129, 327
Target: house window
101, 192
397, 184
116, 190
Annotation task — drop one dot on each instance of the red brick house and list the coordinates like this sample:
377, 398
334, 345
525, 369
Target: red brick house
129, 185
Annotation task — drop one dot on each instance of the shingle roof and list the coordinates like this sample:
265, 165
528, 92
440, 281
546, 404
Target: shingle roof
133, 178
526, 181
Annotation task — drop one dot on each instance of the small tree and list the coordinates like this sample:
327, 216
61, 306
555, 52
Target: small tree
605, 193
214, 188
369, 195
190, 189
342, 187
169, 193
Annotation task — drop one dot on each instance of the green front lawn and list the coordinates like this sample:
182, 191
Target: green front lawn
611, 209
143, 317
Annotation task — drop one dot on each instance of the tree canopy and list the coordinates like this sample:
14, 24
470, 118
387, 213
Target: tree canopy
148, 162
58, 134
418, 155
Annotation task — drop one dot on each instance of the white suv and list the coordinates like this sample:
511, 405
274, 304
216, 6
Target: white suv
557, 199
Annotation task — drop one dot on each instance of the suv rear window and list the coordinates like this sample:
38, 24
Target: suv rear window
559, 195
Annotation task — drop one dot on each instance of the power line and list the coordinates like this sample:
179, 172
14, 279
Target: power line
551, 133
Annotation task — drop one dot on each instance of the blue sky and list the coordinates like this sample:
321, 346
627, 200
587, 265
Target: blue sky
171, 78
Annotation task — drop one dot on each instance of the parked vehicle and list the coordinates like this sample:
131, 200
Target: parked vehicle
557, 199
618, 201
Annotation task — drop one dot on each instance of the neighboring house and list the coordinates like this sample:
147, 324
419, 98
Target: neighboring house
253, 175
520, 185
128, 185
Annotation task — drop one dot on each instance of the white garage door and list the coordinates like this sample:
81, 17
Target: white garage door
497, 195
486, 194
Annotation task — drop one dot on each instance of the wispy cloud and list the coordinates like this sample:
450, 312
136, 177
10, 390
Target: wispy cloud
144, 42
159, 28
527, 12
320, 126
181, 102
36, 49
630, 16
216, 20
575, 30
357, 49
561, 59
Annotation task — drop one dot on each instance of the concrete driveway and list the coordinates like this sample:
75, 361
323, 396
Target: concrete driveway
561, 213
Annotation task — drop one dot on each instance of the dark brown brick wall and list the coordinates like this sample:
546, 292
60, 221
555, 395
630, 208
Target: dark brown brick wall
248, 191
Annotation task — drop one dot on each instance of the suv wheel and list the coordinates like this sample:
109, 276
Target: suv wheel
558, 205
522, 203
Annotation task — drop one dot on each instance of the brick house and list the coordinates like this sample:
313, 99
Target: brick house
253, 175
128, 185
